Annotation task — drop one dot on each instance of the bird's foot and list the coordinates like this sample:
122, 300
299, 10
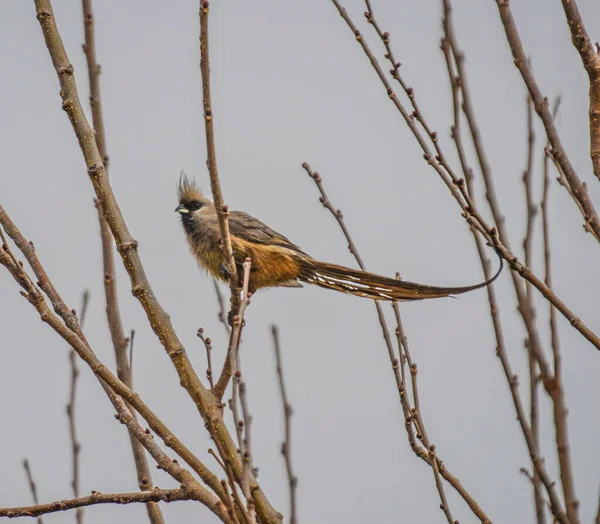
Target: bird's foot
225, 271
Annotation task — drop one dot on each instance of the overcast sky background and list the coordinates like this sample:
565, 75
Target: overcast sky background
290, 85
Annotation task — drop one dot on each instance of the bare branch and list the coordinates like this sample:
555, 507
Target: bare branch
534, 381
111, 385
453, 58
559, 407
540, 103
233, 356
420, 451
208, 346
456, 187
211, 161
590, 59
156, 495
207, 405
75, 444
247, 418
32, 487
68, 332
286, 446
115, 323
236, 336
417, 419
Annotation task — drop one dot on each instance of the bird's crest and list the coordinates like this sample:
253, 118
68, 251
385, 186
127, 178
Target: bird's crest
187, 190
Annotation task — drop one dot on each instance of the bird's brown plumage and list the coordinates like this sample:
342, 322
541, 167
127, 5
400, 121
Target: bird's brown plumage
277, 262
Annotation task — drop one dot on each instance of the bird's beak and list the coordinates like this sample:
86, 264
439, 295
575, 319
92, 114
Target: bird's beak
182, 209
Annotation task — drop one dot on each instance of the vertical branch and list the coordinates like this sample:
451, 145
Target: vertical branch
590, 58
211, 160
75, 444
115, 324
560, 410
540, 103
207, 405
32, 487
235, 337
456, 186
208, 346
417, 418
428, 456
286, 446
454, 60
533, 367
247, 418
233, 356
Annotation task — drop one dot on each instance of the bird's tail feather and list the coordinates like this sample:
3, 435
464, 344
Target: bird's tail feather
376, 287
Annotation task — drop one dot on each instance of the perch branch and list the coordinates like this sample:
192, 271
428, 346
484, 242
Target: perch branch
211, 160
207, 405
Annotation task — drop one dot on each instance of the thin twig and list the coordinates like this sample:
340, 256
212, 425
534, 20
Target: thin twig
534, 381
286, 446
156, 495
32, 487
420, 451
236, 336
417, 419
115, 323
118, 393
541, 105
525, 305
247, 418
451, 55
233, 355
208, 346
456, 187
560, 411
70, 331
208, 406
230, 502
211, 161
75, 444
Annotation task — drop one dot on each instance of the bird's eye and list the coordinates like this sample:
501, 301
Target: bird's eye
195, 205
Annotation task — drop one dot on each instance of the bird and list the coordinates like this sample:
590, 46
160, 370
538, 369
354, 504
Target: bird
277, 262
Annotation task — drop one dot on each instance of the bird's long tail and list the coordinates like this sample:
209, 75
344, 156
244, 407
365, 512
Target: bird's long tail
376, 287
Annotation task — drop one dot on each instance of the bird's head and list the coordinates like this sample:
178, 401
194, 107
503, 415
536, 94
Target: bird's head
192, 203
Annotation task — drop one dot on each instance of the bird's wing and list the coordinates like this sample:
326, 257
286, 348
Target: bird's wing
253, 230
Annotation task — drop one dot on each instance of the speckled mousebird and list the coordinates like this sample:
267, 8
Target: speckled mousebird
277, 262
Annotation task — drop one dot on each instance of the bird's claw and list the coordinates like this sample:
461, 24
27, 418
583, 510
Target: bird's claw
225, 271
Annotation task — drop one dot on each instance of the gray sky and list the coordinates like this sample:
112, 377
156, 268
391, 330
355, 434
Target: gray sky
290, 85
